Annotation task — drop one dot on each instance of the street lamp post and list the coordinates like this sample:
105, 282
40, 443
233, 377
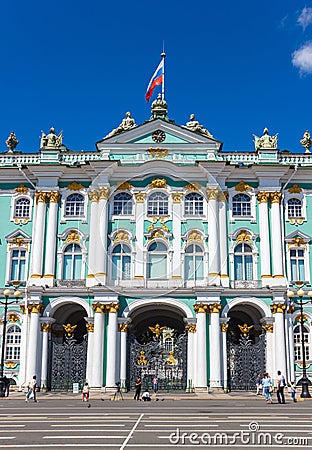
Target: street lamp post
304, 380
7, 293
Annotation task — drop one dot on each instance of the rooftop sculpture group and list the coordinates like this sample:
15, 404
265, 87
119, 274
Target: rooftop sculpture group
195, 126
51, 140
266, 141
126, 124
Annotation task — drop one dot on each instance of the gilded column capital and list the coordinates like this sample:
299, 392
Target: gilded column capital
222, 196
94, 196
23, 309
123, 327
41, 197
190, 328
268, 327
263, 197
104, 193
275, 197
177, 197
90, 327
212, 194
35, 308
215, 308
112, 307
46, 327
140, 197
278, 308
55, 197
98, 307
201, 308
224, 327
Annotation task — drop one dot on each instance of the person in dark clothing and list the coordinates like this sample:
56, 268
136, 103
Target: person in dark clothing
138, 386
6, 386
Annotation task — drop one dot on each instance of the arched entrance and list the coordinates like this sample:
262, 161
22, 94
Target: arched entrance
67, 347
158, 347
245, 347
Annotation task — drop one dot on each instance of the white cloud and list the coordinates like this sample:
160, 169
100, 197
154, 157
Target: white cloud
302, 58
305, 18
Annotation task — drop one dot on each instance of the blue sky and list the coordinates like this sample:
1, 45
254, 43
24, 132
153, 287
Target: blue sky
79, 66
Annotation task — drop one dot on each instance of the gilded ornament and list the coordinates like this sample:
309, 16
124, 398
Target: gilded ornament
46, 327
142, 361
94, 196
301, 318
190, 328
268, 327
222, 196
158, 183
98, 307
74, 186
69, 329
140, 197
35, 308
177, 197
17, 242
243, 236
125, 186
22, 189
171, 360
263, 197
193, 186
194, 236
23, 309
245, 329
157, 330
123, 327
112, 307
72, 236
224, 327
278, 308
295, 189
201, 308
121, 236
10, 364
90, 327
157, 153
276, 197
12, 317
212, 194
41, 197
104, 193
157, 233
54, 197
243, 187
296, 242
215, 307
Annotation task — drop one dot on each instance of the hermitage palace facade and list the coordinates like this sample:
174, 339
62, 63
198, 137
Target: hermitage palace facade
155, 254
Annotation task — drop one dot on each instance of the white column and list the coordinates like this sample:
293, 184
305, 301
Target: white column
123, 330
111, 346
139, 218
98, 346
279, 338
215, 347
46, 332
223, 240
24, 344
94, 198
176, 232
224, 327
89, 369
201, 347
263, 198
191, 370
38, 236
276, 233
50, 242
213, 232
269, 367
35, 310
101, 251
290, 329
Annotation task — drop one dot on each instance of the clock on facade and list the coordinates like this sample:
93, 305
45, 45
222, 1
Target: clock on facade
158, 136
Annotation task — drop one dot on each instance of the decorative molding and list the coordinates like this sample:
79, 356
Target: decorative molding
297, 242
243, 236
193, 186
41, 197
140, 197
224, 327
278, 308
263, 197
90, 327
275, 197
177, 197
35, 308
94, 196
212, 194
190, 328
194, 236
124, 186
22, 189
158, 183
121, 236
69, 328
268, 327
295, 189
74, 186
12, 317
98, 307
10, 364
46, 327
301, 318
245, 329
215, 308
157, 153
201, 308
104, 193
54, 197
243, 187
112, 307
73, 236
18, 242
123, 327
222, 196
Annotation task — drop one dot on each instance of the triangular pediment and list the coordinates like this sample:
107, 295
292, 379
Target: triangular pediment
298, 235
18, 234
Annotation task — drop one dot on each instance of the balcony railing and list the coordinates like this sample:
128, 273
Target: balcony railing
246, 284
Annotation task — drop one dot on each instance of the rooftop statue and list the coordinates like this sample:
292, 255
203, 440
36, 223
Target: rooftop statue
194, 125
306, 141
11, 142
265, 141
51, 140
159, 108
126, 124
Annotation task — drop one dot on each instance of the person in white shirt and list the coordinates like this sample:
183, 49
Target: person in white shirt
280, 387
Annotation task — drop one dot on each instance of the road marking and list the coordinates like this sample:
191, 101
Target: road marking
131, 432
84, 437
90, 425
188, 424
11, 426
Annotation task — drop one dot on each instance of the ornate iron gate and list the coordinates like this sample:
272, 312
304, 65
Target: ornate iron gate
153, 358
67, 363
245, 361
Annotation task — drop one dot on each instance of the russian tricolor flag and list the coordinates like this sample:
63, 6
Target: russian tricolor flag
156, 80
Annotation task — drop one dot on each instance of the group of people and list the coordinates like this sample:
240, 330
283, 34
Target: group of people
266, 385
146, 397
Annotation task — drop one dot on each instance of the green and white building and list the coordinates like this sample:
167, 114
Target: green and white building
156, 254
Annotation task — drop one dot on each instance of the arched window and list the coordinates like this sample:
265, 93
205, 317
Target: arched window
123, 204
72, 262
241, 205
13, 343
121, 262
243, 262
193, 204
74, 205
298, 345
157, 204
22, 208
18, 264
193, 263
297, 264
157, 260
294, 207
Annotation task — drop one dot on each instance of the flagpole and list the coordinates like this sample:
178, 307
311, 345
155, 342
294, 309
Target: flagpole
163, 55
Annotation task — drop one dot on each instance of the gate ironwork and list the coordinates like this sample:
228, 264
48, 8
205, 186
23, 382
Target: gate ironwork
154, 359
67, 363
246, 360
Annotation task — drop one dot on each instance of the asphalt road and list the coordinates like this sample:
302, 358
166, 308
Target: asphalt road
168, 424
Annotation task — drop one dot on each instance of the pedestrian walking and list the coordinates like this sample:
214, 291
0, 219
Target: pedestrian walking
32, 390
85, 393
280, 387
138, 386
293, 391
6, 386
267, 387
155, 384
258, 384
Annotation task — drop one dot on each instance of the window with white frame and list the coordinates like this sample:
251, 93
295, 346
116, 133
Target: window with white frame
241, 205
121, 262
74, 205
243, 262
157, 260
294, 208
193, 263
18, 265
157, 204
22, 208
297, 268
72, 262
193, 204
298, 344
123, 204
13, 343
